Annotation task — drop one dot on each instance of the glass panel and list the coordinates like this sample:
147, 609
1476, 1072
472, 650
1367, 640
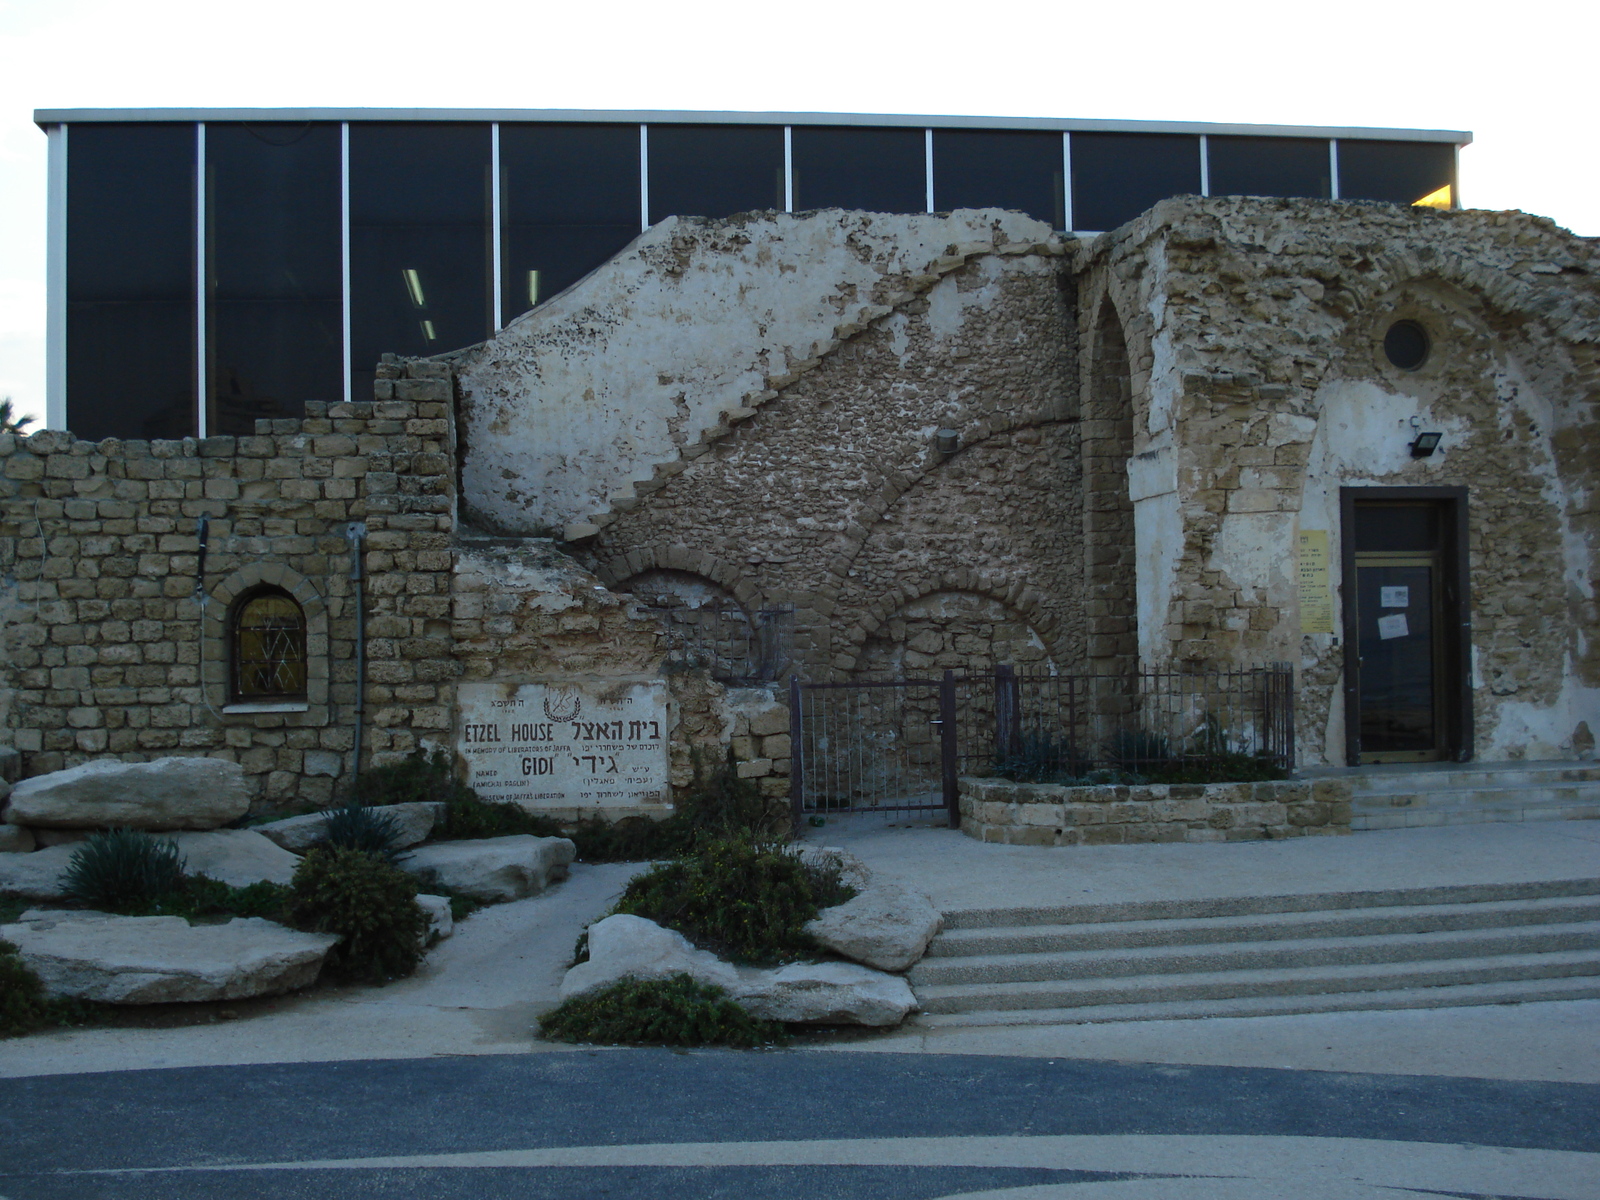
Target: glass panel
1399, 172
1268, 166
569, 201
875, 170
714, 170
1116, 176
270, 647
274, 332
419, 242
1396, 528
988, 168
1394, 606
130, 281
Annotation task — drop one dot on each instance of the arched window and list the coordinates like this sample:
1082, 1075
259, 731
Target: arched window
267, 635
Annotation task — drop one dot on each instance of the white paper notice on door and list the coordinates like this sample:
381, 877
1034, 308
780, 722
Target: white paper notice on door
1392, 626
1394, 597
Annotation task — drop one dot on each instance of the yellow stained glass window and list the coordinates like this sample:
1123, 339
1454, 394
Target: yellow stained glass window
269, 647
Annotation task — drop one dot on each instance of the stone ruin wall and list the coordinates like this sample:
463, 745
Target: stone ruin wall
106, 652
1263, 321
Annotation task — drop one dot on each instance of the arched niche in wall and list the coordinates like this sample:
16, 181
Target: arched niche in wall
223, 607
957, 630
709, 626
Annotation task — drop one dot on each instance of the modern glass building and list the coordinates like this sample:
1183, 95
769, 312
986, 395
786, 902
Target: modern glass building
211, 267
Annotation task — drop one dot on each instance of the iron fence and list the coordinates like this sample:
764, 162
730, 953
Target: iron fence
897, 746
739, 647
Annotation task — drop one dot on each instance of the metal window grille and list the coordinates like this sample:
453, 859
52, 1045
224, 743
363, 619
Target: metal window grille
269, 647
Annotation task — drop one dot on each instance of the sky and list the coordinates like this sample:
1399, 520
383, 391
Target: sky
1512, 74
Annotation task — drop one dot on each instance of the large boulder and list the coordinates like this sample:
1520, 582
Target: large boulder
492, 869
833, 993
628, 947
169, 793
157, 960
413, 820
35, 876
237, 857
826, 993
886, 925
14, 839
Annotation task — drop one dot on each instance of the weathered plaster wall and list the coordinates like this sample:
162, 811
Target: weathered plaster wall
1262, 322
576, 401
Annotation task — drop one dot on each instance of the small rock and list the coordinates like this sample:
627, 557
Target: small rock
887, 925
414, 820
14, 839
492, 869
157, 960
853, 873
36, 876
169, 793
60, 837
237, 857
628, 947
826, 993
441, 922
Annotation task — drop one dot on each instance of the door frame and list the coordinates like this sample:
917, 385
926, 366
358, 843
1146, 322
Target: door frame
1456, 611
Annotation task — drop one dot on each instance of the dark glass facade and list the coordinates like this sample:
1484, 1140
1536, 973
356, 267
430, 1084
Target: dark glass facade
714, 170
569, 200
874, 170
275, 308
420, 245
1399, 172
1116, 176
984, 168
131, 280
1264, 166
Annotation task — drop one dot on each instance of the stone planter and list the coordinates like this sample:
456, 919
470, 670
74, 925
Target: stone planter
1046, 814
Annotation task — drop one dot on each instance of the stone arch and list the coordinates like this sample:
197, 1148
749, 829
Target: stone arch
613, 572
219, 602
1021, 599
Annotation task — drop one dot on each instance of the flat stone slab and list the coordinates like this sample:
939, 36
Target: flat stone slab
237, 857
833, 993
15, 839
168, 793
35, 876
298, 834
160, 960
492, 869
886, 925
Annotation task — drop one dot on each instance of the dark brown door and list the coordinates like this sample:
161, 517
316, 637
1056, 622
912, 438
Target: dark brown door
1404, 596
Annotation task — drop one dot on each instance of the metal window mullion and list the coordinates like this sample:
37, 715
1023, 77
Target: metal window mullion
55, 394
1333, 168
644, 177
1205, 165
788, 168
344, 249
1066, 182
200, 280
927, 165
494, 218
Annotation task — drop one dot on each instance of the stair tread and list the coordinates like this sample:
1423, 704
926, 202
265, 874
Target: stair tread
1262, 975
1570, 987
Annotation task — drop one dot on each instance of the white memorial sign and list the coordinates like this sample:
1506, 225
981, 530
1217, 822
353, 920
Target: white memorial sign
565, 745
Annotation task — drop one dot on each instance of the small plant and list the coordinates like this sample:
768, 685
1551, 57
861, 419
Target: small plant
466, 816
658, 1012
1137, 750
202, 896
742, 899
123, 871
22, 1003
1041, 758
369, 903
359, 827
418, 776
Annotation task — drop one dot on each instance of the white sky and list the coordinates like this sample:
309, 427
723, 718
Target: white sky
1513, 74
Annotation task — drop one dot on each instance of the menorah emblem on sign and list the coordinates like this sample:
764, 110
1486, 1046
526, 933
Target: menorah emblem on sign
564, 707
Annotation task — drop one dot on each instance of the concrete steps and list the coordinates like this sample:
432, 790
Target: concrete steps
1457, 794
1401, 948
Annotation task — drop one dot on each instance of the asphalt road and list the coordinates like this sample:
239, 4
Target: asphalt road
788, 1124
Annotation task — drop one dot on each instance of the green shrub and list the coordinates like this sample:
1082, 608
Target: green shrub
22, 1003
656, 1012
357, 826
419, 776
743, 900
202, 896
123, 871
1041, 758
1136, 750
369, 903
466, 816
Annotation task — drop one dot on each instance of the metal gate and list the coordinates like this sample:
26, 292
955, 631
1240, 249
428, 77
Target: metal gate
887, 746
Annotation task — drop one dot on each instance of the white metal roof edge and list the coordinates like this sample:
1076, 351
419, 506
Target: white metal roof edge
45, 117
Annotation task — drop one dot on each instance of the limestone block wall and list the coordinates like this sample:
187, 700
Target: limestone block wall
1259, 388
111, 639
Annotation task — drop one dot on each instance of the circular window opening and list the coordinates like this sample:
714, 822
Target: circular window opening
1406, 345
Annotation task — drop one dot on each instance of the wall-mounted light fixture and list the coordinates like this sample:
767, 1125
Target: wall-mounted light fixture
1425, 444
947, 441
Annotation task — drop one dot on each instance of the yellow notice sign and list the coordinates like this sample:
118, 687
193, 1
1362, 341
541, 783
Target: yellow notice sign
1316, 597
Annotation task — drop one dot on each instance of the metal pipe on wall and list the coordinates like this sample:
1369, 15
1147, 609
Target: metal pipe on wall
356, 534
